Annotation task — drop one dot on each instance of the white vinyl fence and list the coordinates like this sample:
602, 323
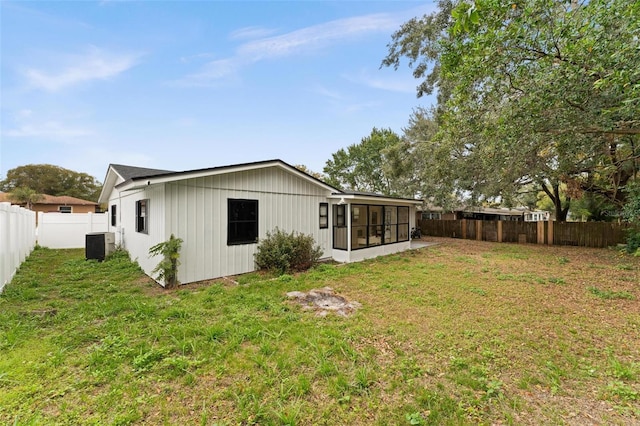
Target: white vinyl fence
68, 230
17, 239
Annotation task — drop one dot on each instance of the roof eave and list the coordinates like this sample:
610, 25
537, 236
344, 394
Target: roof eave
377, 198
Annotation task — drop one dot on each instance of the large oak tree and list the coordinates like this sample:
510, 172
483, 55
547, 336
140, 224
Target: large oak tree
540, 92
376, 164
52, 180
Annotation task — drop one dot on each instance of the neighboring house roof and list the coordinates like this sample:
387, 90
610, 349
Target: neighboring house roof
63, 200
476, 209
491, 210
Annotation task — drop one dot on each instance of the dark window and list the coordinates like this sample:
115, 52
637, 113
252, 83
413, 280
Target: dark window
64, 209
324, 215
113, 215
431, 216
243, 221
142, 216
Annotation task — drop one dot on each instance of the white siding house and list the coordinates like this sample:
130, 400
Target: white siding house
220, 213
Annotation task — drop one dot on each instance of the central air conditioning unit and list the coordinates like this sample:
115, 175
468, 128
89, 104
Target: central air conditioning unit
99, 245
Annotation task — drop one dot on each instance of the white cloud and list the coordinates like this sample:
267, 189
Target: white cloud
248, 33
299, 41
316, 36
96, 64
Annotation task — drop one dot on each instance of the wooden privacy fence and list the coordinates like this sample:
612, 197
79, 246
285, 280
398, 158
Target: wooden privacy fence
585, 234
17, 239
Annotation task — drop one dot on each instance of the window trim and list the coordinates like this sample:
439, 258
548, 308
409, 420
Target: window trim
324, 216
140, 218
236, 242
65, 207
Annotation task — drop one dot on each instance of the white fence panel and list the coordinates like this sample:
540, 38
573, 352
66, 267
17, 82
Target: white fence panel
17, 239
68, 230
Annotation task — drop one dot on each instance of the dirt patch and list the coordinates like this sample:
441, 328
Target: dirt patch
323, 301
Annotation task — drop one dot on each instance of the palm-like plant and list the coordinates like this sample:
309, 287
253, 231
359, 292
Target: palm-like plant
25, 196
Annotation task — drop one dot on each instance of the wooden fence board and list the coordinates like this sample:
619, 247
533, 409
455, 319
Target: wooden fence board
585, 234
519, 232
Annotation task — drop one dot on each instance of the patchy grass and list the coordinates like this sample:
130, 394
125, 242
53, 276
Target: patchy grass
465, 332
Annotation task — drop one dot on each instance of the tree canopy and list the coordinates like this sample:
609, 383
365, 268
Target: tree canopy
376, 164
52, 180
541, 92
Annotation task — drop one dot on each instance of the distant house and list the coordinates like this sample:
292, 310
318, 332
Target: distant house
431, 212
537, 216
222, 212
57, 204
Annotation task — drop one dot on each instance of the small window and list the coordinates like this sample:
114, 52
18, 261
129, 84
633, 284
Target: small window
142, 216
113, 215
242, 222
64, 209
324, 215
430, 216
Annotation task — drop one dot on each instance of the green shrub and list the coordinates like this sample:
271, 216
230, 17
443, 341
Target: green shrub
167, 269
633, 241
283, 252
631, 213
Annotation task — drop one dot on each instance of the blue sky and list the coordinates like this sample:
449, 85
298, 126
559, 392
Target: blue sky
187, 85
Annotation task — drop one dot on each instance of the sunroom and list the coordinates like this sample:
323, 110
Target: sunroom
370, 225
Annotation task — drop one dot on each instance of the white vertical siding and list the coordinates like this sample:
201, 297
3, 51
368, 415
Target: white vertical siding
114, 200
137, 243
199, 216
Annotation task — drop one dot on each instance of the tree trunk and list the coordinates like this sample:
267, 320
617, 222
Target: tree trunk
554, 195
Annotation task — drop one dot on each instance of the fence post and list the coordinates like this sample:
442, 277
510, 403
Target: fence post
550, 232
464, 229
499, 232
479, 230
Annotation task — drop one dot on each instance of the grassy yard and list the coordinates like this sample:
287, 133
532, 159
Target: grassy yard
460, 333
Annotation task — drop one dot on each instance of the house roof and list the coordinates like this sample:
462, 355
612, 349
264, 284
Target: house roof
165, 176
131, 172
63, 200
138, 177
126, 173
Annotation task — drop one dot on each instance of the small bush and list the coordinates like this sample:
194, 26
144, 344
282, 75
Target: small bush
283, 252
633, 241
